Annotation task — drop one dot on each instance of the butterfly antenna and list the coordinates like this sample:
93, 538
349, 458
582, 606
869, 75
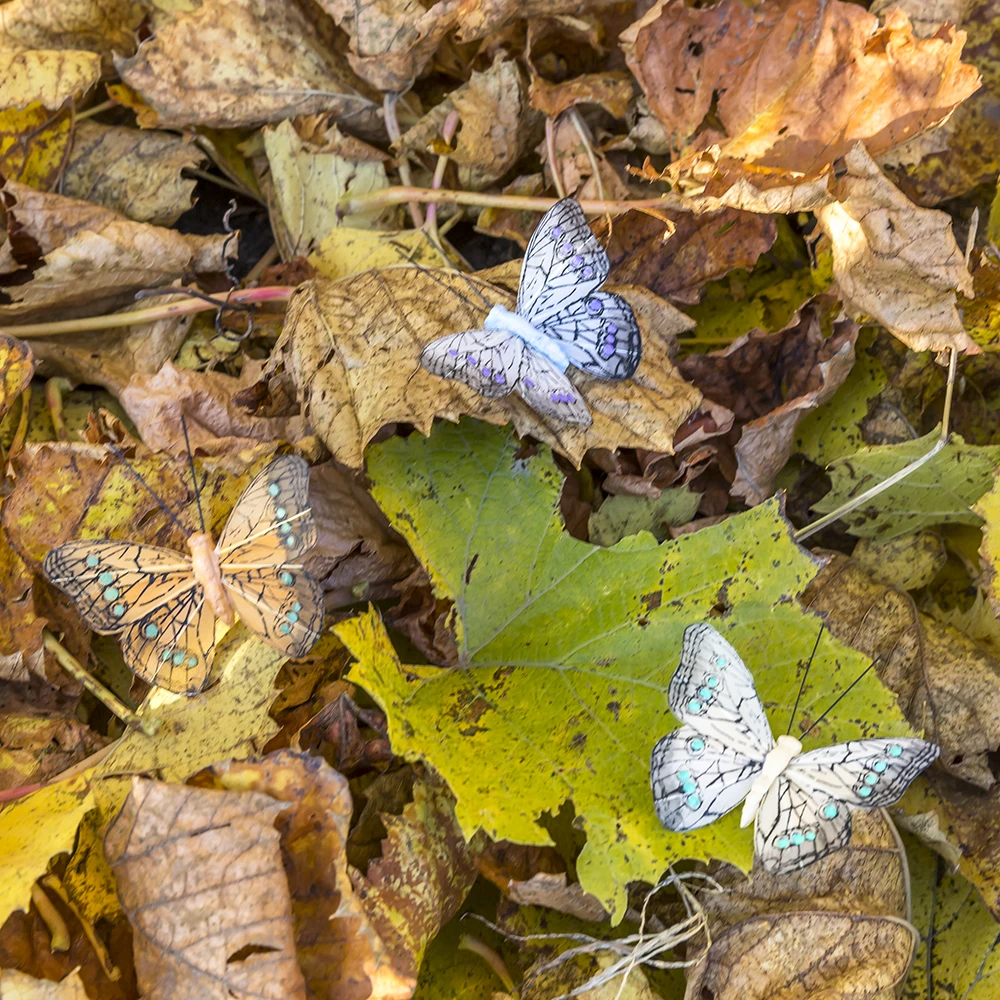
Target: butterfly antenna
802, 686
842, 696
149, 489
194, 475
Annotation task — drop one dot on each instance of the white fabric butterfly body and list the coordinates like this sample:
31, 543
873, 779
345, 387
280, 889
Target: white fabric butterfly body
561, 320
725, 754
164, 603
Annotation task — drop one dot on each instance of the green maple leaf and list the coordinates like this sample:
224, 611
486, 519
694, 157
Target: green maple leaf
567, 651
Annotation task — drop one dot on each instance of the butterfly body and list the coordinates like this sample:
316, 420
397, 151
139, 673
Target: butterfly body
164, 604
562, 319
724, 753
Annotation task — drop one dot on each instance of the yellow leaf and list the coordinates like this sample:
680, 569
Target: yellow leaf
346, 251
34, 144
51, 78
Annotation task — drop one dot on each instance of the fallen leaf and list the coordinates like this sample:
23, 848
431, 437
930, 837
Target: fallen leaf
497, 124
393, 40
479, 18
34, 144
621, 516
946, 683
136, 173
102, 26
907, 562
16, 985
352, 349
310, 178
39, 741
200, 877
47, 78
241, 63
583, 170
701, 248
21, 625
774, 68
895, 261
587, 632
511, 224
941, 491
770, 382
555, 893
92, 259
611, 91
17, 365
346, 250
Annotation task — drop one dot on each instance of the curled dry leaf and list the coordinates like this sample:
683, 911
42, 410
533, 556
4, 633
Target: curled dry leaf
136, 173
611, 91
17, 365
200, 878
237, 63
582, 168
839, 927
16, 985
21, 625
497, 124
771, 382
776, 68
92, 258
479, 18
392, 40
946, 684
352, 349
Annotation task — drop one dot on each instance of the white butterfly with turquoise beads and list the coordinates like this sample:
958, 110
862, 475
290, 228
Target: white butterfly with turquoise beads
152, 597
725, 754
561, 320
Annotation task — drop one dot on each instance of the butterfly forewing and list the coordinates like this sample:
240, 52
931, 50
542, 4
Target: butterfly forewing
713, 692
285, 608
696, 779
172, 645
599, 334
271, 524
563, 264
114, 584
547, 391
489, 361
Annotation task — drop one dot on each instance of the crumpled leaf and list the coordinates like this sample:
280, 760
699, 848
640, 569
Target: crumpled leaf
20, 623
310, 176
34, 144
592, 635
611, 91
352, 349
497, 124
39, 741
16, 985
580, 164
17, 365
92, 259
200, 878
701, 249
241, 63
958, 954
907, 562
941, 491
136, 173
479, 18
621, 516
774, 69
772, 381
393, 40
839, 926
948, 685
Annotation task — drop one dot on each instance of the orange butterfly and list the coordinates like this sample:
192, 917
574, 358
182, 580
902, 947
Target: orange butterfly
165, 603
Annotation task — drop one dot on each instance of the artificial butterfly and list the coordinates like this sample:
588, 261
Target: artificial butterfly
725, 754
164, 603
561, 320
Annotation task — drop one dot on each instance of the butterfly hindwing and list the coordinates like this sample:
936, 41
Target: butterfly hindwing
114, 584
488, 361
713, 692
599, 334
696, 779
172, 645
563, 264
547, 391
271, 523
283, 605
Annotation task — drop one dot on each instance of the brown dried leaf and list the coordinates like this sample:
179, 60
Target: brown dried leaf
771, 381
92, 259
21, 626
352, 349
16, 985
799, 81
240, 63
39, 741
611, 91
392, 40
137, 173
200, 877
478, 18
576, 159
946, 684
497, 124
702, 248
102, 26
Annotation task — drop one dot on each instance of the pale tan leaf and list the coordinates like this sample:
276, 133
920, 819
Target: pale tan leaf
16, 985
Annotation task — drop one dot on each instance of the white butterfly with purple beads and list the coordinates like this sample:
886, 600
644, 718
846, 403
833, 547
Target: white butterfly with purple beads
561, 320
725, 754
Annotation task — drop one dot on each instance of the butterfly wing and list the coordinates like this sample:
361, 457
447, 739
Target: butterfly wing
713, 692
696, 779
271, 524
563, 264
282, 605
599, 334
488, 361
547, 390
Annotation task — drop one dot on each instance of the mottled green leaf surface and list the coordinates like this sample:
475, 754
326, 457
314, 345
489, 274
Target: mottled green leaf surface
568, 649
